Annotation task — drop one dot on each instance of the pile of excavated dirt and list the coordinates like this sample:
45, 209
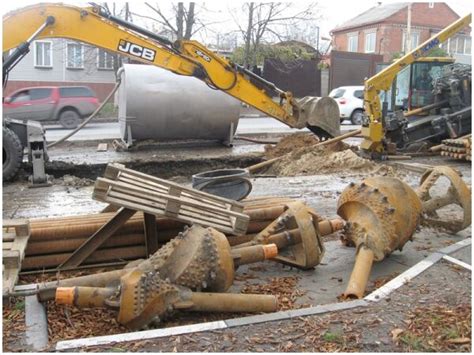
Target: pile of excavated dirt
289, 144
334, 158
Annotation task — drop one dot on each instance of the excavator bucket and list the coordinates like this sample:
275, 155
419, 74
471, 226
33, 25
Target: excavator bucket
320, 115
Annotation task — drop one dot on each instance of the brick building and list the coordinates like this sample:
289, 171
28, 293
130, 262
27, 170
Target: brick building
382, 30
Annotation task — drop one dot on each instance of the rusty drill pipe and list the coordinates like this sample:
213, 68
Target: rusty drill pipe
87, 225
99, 256
290, 237
228, 302
144, 298
83, 296
265, 214
84, 226
47, 290
70, 245
254, 254
360, 274
96, 297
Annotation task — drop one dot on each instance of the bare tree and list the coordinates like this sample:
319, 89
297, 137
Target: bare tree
270, 21
184, 19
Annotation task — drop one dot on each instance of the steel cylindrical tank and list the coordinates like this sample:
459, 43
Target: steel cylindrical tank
154, 103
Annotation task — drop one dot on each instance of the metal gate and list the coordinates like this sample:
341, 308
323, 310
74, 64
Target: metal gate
301, 77
350, 68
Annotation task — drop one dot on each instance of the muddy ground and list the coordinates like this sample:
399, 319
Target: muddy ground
76, 166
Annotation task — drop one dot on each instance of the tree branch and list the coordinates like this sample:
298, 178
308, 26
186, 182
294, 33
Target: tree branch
166, 22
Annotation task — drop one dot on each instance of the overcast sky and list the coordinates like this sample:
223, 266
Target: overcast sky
334, 12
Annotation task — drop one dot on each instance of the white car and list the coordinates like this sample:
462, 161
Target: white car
350, 100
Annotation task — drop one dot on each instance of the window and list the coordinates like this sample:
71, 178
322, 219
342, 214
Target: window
38, 94
359, 94
43, 54
337, 93
75, 56
105, 60
452, 45
370, 42
352, 43
415, 40
459, 45
467, 46
431, 5
21, 96
79, 91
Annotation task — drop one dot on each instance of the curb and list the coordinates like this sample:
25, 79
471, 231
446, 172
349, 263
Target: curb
375, 296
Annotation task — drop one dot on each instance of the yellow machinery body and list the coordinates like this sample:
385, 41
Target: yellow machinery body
373, 131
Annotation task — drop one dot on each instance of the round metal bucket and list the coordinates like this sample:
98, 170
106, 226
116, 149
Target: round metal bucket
233, 184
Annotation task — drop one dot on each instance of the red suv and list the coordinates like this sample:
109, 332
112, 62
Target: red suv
66, 104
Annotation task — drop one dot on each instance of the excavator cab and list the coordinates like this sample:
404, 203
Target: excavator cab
413, 87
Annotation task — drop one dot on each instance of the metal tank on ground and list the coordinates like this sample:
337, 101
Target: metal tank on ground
157, 104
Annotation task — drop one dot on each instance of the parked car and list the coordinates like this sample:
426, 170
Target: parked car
350, 100
66, 104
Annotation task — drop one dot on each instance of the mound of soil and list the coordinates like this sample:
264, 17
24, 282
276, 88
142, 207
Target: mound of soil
289, 144
333, 158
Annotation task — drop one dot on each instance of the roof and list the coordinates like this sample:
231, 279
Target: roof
372, 15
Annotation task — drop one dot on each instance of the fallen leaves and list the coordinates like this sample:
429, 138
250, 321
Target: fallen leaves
284, 288
13, 324
396, 333
437, 328
66, 322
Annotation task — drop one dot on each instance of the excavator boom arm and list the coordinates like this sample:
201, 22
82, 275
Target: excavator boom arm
92, 25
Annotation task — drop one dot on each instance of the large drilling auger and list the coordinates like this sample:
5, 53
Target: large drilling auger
143, 299
198, 258
297, 234
457, 193
382, 214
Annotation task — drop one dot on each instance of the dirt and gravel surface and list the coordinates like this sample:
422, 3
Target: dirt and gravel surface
71, 194
431, 313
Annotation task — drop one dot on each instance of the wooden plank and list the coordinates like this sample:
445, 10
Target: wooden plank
10, 278
97, 239
172, 206
152, 185
122, 170
21, 226
8, 237
11, 258
189, 202
13, 251
161, 204
185, 211
148, 209
151, 235
7, 245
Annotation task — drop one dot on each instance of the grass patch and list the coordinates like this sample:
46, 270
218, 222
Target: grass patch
332, 337
19, 305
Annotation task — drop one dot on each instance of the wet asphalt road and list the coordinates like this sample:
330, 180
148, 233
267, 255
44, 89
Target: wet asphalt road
111, 130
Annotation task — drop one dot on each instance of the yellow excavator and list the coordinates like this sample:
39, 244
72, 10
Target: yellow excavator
95, 25
384, 132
